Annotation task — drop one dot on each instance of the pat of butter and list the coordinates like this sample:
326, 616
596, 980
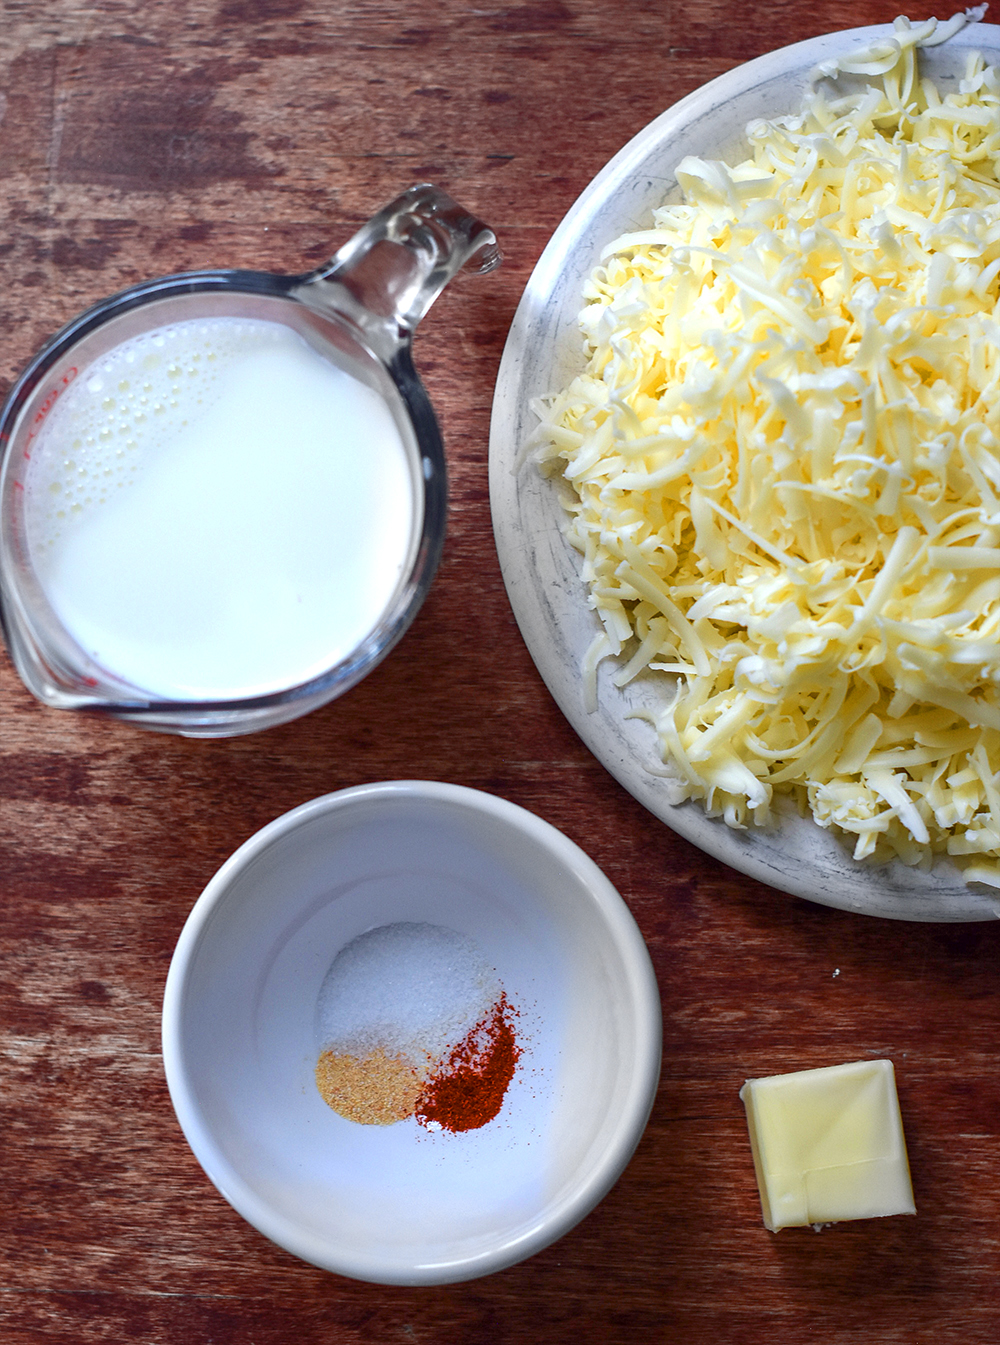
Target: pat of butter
828, 1145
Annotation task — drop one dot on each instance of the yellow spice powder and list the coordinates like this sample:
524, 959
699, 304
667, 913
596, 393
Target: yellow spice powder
376, 1089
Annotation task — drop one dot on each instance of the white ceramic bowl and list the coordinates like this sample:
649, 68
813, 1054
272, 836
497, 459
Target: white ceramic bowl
398, 1204
541, 571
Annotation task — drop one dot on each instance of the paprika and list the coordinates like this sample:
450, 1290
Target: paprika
467, 1089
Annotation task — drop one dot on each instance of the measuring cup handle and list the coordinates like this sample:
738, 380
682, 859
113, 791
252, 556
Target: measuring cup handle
394, 267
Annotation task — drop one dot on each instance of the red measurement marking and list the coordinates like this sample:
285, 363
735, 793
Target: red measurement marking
50, 401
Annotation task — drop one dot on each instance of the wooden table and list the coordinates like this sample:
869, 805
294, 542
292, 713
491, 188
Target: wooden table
142, 138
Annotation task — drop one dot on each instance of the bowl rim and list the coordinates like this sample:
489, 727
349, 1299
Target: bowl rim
583, 1194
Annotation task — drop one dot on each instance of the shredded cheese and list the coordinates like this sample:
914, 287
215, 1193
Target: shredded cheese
784, 454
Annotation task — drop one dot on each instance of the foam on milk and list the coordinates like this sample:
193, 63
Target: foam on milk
215, 511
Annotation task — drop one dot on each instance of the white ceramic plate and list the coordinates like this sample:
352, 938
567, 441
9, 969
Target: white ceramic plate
542, 354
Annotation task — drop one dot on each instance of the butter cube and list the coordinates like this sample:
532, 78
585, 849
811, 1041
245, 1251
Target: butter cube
828, 1145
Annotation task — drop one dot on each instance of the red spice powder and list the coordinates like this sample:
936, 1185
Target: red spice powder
467, 1089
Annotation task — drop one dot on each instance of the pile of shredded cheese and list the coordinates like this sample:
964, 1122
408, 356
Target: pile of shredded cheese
784, 456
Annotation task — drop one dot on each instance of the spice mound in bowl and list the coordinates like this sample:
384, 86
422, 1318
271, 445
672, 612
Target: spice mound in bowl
411, 1032
414, 1023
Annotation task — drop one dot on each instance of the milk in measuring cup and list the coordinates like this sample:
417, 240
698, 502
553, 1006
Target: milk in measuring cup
216, 511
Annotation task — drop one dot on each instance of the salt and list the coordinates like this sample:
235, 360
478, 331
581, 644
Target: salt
406, 989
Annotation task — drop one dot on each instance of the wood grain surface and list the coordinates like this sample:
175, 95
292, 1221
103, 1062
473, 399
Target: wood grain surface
140, 138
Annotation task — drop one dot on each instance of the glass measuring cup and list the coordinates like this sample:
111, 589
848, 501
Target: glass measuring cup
356, 315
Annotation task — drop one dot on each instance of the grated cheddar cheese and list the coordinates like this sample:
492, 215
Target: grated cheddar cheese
784, 461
